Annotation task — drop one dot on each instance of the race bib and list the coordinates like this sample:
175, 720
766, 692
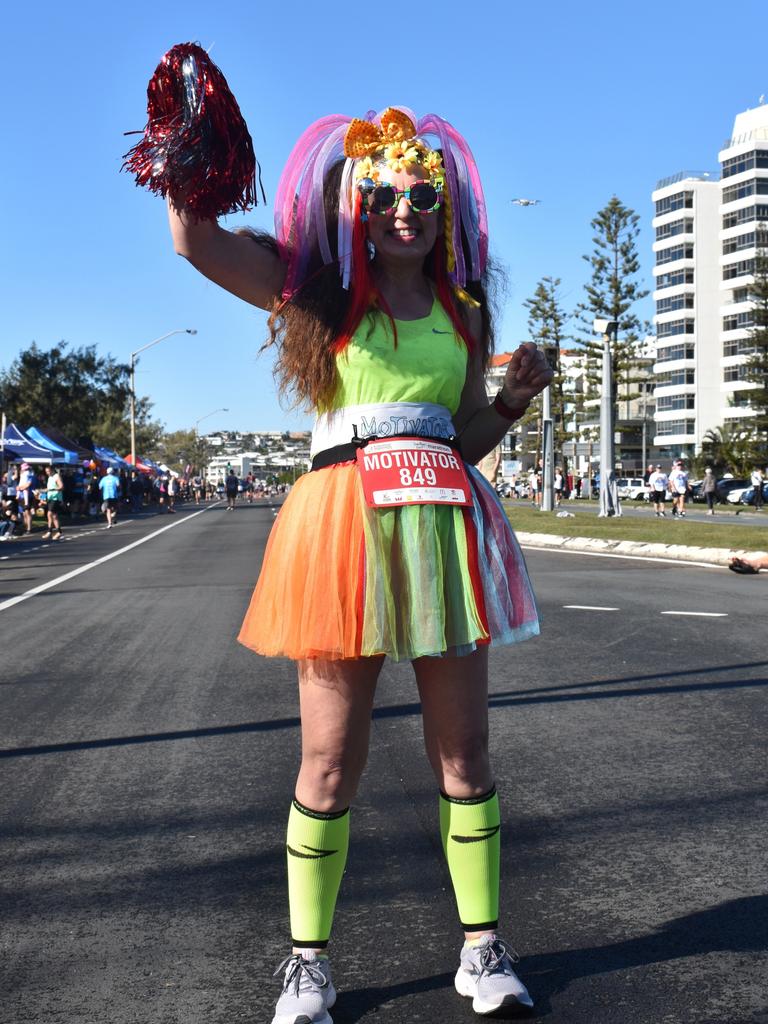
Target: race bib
412, 471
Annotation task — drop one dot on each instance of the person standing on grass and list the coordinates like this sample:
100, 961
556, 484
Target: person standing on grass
709, 490
558, 486
109, 486
757, 480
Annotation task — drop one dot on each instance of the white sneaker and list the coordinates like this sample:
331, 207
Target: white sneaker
486, 976
308, 991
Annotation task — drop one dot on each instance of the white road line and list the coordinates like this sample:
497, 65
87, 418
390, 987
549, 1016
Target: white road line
631, 558
591, 607
99, 561
704, 615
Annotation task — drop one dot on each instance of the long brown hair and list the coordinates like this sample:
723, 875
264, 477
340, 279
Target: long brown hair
307, 327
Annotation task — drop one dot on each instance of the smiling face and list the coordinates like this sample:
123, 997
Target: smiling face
404, 235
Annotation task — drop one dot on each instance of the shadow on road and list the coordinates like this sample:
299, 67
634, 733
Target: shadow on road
497, 700
737, 926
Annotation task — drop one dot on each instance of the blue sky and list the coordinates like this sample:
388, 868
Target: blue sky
567, 103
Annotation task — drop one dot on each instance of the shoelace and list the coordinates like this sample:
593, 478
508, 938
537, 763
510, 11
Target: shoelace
297, 968
495, 953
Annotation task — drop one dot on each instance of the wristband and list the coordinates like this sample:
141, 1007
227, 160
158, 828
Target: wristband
507, 411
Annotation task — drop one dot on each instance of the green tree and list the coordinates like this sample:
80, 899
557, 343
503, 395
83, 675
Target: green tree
756, 370
180, 448
83, 395
727, 449
546, 323
611, 294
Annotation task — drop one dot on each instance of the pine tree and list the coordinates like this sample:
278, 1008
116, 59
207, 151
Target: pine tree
611, 294
546, 323
756, 370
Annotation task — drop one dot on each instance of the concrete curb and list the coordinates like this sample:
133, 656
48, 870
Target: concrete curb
680, 552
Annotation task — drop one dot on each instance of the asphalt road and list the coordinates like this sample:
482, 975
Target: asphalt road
148, 761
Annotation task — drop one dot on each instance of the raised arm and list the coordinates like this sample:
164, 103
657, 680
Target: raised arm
237, 262
479, 424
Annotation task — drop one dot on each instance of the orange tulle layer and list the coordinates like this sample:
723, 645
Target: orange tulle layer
306, 602
342, 580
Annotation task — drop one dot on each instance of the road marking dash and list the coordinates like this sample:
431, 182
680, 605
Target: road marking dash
703, 615
591, 607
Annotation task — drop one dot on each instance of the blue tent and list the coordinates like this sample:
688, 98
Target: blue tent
111, 458
17, 447
67, 457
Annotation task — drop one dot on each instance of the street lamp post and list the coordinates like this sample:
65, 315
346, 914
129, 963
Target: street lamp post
207, 415
180, 330
548, 479
204, 469
609, 499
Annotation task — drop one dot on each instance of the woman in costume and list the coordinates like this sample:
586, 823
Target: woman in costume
394, 544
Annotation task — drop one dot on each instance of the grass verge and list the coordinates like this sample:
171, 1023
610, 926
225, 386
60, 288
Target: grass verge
656, 531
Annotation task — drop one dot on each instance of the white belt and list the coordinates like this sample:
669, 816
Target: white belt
384, 419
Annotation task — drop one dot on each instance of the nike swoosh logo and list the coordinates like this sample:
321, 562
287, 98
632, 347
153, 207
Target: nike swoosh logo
490, 833
315, 853
435, 331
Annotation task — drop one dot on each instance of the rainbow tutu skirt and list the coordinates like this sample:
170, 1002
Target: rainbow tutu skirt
343, 580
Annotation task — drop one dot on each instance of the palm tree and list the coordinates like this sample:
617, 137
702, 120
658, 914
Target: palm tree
729, 449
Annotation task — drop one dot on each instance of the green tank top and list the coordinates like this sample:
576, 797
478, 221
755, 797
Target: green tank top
429, 363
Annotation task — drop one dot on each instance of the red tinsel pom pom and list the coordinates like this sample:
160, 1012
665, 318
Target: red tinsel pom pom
196, 143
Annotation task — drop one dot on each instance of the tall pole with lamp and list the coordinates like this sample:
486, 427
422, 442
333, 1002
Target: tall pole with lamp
609, 499
207, 415
197, 432
180, 330
548, 442
548, 478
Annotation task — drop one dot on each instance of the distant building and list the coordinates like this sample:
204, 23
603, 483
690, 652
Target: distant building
278, 452
686, 293
708, 228
634, 412
744, 229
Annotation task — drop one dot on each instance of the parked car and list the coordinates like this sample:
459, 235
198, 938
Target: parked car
726, 484
746, 495
633, 488
506, 489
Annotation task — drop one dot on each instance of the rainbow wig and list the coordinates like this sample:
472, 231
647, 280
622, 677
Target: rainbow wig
300, 224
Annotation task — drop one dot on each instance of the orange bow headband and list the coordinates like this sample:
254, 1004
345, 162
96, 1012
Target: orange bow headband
363, 137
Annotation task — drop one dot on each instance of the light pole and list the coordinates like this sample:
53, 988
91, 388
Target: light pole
198, 422
547, 436
548, 480
609, 499
204, 469
180, 330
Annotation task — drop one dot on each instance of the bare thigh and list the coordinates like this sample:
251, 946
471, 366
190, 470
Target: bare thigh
454, 703
336, 700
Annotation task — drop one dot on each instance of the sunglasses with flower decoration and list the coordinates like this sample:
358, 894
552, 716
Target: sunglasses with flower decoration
382, 198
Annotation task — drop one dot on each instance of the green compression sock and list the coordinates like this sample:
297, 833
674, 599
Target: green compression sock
317, 852
470, 834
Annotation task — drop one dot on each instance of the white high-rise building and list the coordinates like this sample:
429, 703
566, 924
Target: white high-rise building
708, 229
686, 292
744, 229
